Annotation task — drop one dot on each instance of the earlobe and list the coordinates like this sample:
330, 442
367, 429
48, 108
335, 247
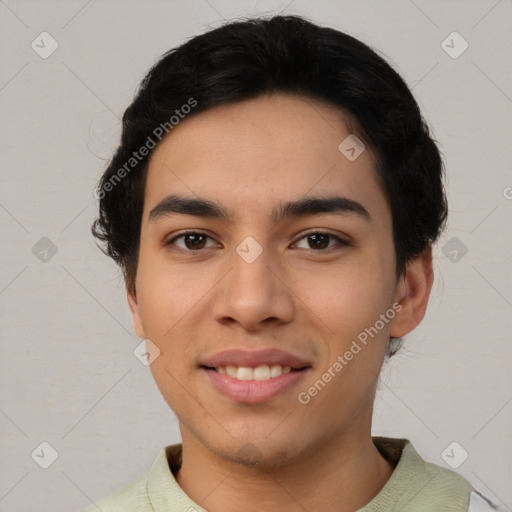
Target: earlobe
412, 293
134, 310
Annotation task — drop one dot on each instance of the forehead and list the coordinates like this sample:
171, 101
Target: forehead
258, 153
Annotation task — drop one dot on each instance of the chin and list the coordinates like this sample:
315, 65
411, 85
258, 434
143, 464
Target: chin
261, 453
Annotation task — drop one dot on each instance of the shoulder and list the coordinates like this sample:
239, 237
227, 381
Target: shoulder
157, 490
420, 486
432, 487
456, 488
133, 497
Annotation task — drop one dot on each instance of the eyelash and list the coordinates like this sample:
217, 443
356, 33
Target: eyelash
341, 242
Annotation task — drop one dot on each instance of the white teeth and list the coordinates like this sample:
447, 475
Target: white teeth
263, 372
276, 370
244, 373
231, 371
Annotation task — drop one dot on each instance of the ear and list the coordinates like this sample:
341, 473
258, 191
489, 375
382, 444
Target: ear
135, 311
412, 293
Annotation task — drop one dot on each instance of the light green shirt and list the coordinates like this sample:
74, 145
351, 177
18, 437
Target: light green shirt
414, 486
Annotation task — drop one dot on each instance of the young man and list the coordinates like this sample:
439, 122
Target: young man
273, 204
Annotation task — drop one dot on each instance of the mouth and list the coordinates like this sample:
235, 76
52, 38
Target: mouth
254, 376
262, 372
257, 385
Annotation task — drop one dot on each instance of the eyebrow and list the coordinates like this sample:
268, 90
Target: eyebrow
306, 206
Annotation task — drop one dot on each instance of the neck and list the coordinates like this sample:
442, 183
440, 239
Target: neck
342, 475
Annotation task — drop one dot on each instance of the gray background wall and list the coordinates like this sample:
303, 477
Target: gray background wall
67, 372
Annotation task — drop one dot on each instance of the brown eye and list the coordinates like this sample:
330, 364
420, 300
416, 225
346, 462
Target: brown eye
318, 241
192, 241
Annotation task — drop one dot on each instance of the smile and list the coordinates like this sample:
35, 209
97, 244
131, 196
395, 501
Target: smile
263, 372
254, 385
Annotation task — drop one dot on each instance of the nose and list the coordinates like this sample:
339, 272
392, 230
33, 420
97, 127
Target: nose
254, 293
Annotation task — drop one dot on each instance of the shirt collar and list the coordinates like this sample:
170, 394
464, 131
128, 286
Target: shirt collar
166, 495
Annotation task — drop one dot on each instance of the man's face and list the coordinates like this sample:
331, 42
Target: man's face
307, 295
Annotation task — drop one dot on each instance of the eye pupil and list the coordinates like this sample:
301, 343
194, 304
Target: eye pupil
316, 236
197, 243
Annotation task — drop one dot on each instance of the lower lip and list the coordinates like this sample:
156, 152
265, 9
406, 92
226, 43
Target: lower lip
253, 391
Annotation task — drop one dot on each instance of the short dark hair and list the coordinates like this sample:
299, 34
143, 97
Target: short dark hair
248, 58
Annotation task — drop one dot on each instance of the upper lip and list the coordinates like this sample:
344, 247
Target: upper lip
254, 358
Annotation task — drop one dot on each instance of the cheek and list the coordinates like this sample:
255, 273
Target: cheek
348, 298
350, 305
166, 294
170, 378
